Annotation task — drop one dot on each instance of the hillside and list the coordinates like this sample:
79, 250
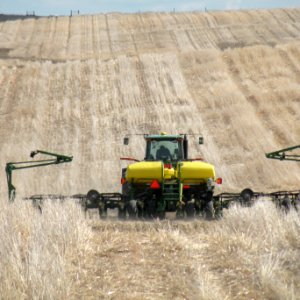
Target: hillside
77, 85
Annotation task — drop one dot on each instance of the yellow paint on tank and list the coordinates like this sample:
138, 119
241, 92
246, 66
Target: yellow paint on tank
196, 171
145, 172
189, 172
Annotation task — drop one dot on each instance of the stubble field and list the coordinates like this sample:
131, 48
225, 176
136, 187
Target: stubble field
252, 253
77, 85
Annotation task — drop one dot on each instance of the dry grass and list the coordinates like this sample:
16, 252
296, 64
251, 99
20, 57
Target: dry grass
38, 251
252, 253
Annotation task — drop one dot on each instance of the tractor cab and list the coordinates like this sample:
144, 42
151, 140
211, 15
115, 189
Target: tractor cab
164, 148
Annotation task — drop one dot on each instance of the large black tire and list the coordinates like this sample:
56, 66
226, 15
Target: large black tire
140, 212
218, 213
190, 209
209, 210
287, 204
247, 197
161, 215
150, 209
179, 214
125, 189
93, 196
131, 208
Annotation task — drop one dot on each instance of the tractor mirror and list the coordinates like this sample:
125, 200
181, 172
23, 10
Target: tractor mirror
201, 141
126, 141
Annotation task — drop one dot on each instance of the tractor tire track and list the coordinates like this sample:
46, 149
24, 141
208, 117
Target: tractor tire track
109, 37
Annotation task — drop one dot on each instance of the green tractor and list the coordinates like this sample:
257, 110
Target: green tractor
167, 180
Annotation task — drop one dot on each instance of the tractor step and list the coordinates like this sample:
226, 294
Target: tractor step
170, 191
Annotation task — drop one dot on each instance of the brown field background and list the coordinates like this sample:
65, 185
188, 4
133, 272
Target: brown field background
76, 85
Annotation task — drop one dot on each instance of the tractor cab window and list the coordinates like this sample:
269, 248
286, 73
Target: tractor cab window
164, 150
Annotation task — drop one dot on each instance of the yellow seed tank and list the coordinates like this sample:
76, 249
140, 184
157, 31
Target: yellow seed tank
188, 172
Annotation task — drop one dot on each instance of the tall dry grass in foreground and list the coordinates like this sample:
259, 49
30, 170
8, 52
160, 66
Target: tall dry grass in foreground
252, 253
37, 251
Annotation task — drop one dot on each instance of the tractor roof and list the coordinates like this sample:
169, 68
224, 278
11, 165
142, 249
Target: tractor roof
163, 136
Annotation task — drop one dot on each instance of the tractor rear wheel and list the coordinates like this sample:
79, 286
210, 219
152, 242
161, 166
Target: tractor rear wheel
150, 209
140, 212
190, 209
161, 215
179, 214
131, 208
209, 210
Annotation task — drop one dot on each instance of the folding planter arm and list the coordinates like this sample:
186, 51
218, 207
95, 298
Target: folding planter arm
11, 166
282, 154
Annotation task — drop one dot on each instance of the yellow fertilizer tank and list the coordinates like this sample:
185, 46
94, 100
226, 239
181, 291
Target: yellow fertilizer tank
196, 171
145, 172
187, 172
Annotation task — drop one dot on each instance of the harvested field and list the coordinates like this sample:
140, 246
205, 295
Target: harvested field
76, 85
